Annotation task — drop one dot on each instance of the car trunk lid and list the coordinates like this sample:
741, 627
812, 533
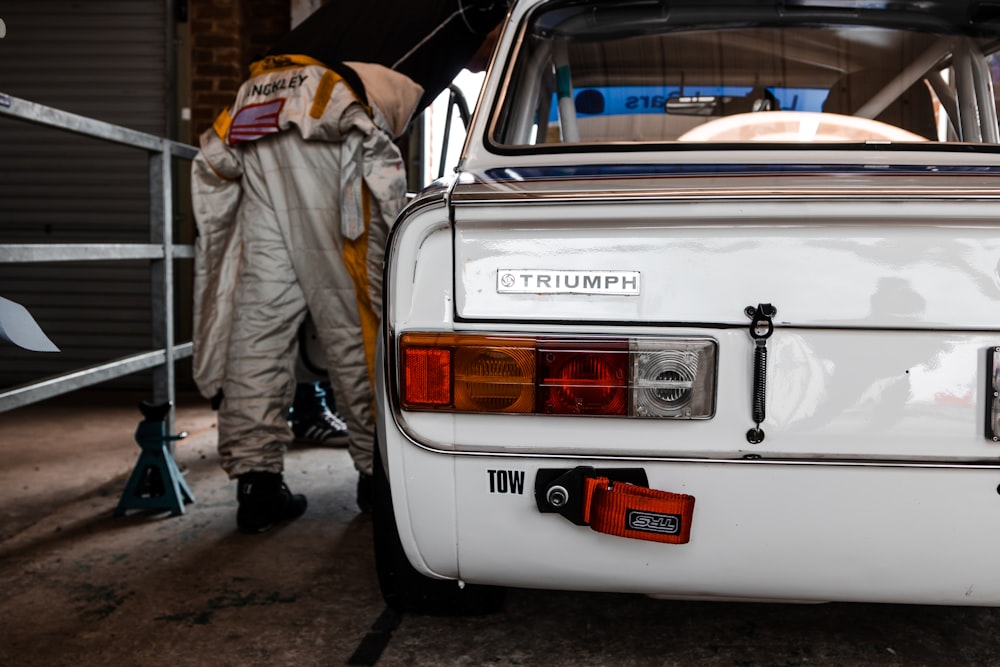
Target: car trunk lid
858, 252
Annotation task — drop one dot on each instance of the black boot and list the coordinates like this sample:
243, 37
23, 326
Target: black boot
264, 501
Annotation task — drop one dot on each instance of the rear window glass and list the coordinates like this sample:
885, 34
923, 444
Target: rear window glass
643, 72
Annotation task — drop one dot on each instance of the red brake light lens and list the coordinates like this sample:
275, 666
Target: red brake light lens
577, 378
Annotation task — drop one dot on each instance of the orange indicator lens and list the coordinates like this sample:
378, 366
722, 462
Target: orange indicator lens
495, 376
426, 377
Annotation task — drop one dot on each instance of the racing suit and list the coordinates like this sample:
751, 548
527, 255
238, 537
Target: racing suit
294, 190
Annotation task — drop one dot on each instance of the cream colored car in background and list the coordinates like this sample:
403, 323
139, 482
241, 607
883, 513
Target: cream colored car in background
708, 311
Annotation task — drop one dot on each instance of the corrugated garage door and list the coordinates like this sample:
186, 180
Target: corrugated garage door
105, 59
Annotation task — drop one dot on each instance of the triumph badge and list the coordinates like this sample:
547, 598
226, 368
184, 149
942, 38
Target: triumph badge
546, 281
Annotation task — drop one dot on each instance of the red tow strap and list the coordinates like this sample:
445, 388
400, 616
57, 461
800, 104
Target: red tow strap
627, 510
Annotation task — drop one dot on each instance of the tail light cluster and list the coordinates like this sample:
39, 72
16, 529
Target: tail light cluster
666, 378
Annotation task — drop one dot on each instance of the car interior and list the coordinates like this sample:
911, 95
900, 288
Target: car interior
578, 81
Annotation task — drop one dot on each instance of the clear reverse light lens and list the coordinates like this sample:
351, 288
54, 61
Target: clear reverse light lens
673, 379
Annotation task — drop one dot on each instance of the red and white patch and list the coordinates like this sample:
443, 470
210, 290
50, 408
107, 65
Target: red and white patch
255, 121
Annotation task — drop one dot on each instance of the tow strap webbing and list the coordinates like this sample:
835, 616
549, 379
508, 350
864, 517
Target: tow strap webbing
627, 510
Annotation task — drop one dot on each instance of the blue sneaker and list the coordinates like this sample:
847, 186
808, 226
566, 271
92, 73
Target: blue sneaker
319, 428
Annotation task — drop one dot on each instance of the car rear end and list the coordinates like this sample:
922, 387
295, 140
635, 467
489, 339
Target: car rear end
747, 366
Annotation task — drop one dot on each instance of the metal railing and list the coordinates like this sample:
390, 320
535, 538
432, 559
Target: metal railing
160, 251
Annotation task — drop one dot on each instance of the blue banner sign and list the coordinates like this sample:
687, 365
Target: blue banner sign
631, 100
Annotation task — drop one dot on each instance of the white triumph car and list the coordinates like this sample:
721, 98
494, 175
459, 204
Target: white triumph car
709, 310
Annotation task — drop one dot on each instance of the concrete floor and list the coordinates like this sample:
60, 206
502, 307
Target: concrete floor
81, 587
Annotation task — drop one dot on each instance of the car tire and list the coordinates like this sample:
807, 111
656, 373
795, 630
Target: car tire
405, 589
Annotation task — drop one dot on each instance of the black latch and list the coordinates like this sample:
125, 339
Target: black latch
560, 490
761, 328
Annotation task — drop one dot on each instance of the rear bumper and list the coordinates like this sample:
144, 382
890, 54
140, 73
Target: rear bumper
760, 530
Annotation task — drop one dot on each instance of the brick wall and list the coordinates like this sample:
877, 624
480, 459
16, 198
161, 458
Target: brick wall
226, 36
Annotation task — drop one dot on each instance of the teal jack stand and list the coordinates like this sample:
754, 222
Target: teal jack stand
156, 482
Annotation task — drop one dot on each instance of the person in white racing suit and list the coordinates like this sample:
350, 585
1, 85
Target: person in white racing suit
294, 190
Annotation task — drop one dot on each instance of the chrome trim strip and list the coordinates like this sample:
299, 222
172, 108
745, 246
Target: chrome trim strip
843, 463
896, 195
387, 330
